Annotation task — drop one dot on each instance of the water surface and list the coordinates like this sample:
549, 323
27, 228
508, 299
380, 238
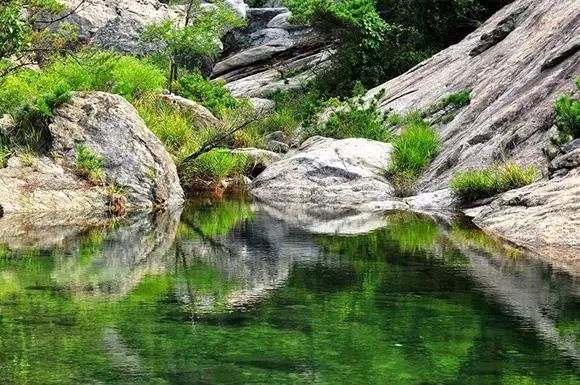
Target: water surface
236, 293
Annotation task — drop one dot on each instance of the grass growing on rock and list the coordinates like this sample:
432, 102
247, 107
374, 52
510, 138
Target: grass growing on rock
473, 185
413, 150
457, 99
89, 164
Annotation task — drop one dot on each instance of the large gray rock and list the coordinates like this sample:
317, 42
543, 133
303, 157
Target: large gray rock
332, 173
515, 66
40, 185
543, 217
134, 158
118, 24
258, 59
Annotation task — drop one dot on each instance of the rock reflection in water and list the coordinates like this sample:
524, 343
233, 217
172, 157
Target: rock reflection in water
279, 293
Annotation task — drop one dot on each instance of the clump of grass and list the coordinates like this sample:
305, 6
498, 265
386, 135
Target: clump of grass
457, 99
213, 96
354, 119
219, 164
89, 164
473, 185
412, 153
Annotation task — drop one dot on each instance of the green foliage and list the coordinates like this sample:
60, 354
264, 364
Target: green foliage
30, 96
187, 46
413, 150
568, 116
214, 96
218, 164
354, 119
89, 165
472, 185
25, 36
134, 77
364, 30
218, 218
457, 99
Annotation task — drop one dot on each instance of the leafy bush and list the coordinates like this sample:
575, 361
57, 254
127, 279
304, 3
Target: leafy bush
568, 116
412, 153
472, 185
213, 96
89, 164
457, 99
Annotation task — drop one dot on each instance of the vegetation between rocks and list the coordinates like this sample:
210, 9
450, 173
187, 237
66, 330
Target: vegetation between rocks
473, 185
413, 150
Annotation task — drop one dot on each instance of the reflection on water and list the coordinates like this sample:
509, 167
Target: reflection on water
237, 293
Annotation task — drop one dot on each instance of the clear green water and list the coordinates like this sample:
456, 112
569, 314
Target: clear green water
231, 295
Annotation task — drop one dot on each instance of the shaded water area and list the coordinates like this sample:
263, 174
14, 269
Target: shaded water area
237, 293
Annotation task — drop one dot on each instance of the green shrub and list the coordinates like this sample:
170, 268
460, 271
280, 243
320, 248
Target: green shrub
219, 164
354, 119
172, 126
472, 185
89, 164
457, 99
133, 78
568, 116
214, 96
412, 153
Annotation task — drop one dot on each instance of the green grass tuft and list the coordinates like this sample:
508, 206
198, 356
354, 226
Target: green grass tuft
218, 164
473, 185
413, 150
457, 99
89, 165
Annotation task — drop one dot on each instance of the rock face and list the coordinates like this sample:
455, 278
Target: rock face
134, 158
515, 66
118, 24
332, 173
41, 185
269, 54
543, 217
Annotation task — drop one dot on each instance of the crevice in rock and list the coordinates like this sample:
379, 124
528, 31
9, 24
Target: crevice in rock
500, 32
560, 55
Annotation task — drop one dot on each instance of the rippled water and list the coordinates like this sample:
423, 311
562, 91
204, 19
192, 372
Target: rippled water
232, 294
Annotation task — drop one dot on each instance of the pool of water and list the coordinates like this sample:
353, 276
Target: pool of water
237, 293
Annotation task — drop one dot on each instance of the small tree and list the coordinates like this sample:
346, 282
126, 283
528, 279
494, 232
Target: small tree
27, 33
199, 37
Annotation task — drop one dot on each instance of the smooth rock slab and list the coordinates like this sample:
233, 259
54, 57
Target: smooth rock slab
333, 173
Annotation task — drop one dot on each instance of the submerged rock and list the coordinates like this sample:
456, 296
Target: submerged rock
330, 172
133, 158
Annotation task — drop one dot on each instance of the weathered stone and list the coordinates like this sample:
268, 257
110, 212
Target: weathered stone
571, 146
260, 158
238, 6
543, 217
7, 124
40, 185
134, 159
329, 172
277, 136
118, 24
279, 147
567, 161
263, 107
512, 98
202, 116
